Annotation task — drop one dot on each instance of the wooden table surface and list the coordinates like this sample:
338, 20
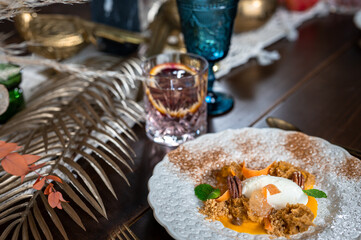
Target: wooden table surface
316, 85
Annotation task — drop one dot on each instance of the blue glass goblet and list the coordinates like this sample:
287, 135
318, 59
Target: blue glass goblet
207, 26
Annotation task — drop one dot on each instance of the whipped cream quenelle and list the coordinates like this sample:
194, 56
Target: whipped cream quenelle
290, 192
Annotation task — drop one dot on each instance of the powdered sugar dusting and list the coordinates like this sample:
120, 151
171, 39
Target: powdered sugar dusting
349, 168
337, 173
198, 165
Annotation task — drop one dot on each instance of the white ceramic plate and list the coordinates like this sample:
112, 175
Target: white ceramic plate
171, 188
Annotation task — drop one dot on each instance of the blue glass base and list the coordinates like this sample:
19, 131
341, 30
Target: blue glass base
218, 103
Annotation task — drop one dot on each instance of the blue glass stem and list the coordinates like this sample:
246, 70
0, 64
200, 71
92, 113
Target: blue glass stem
217, 103
211, 77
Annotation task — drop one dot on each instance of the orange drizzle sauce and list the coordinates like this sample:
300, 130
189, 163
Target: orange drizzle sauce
246, 227
312, 204
256, 228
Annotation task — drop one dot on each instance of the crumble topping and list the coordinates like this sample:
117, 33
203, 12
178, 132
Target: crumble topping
214, 210
293, 219
286, 170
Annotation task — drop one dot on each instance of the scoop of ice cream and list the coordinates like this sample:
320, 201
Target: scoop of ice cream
290, 192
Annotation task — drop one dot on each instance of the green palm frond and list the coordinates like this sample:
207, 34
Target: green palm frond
66, 119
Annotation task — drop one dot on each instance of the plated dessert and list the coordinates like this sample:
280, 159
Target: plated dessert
214, 158
278, 200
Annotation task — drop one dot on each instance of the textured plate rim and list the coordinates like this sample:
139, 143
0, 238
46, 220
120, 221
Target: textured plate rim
170, 232
165, 158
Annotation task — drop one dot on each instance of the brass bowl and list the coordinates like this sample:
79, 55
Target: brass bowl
252, 14
54, 35
61, 36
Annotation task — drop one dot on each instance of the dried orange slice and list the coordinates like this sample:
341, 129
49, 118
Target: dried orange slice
178, 97
164, 69
225, 196
248, 173
271, 188
267, 224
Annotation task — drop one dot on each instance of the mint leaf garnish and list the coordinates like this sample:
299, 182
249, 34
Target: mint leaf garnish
315, 193
214, 194
206, 191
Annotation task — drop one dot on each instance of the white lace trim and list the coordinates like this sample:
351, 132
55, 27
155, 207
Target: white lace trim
283, 23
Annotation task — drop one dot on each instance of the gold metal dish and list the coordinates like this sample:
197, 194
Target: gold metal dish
61, 36
253, 14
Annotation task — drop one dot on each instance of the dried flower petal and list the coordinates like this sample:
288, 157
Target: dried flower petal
55, 178
48, 189
59, 205
7, 148
37, 180
39, 184
15, 164
30, 159
34, 167
53, 199
60, 196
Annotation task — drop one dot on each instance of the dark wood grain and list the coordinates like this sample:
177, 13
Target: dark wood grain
329, 104
257, 88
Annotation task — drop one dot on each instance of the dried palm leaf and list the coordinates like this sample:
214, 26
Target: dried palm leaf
69, 118
9, 8
122, 232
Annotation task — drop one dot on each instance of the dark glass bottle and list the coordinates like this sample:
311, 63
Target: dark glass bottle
122, 14
10, 77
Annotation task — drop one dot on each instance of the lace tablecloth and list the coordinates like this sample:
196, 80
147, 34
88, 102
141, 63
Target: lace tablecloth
245, 46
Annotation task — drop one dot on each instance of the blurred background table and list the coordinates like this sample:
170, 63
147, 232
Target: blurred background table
316, 85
